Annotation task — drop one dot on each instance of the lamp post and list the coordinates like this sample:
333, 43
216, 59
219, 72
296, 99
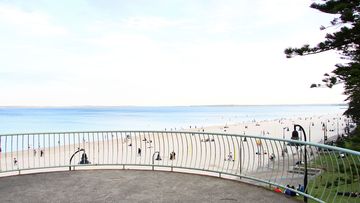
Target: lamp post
337, 126
79, 150
325, 131
295, 135
285, 149
158, 158
311, 124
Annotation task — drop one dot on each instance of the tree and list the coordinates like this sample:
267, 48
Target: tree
346, 41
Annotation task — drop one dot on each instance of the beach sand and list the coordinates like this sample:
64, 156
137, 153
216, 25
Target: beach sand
192, 150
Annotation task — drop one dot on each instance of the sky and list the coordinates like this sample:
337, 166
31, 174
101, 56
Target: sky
161, 53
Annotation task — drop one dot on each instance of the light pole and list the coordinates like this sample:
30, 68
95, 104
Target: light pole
285, 149
337, 126
79, 150
158, 158
295, 134
311, 124
325, 131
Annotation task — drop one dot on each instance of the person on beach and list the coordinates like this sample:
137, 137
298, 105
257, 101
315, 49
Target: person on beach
139, 151
172, 155
41, 153
15, 162
34, 152
230, 157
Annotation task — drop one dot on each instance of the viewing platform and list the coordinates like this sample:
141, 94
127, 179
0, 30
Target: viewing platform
130, 186
160, 166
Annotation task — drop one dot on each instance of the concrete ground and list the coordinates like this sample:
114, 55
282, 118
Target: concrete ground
130, 186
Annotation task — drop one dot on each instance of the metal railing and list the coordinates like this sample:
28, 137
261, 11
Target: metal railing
333, 174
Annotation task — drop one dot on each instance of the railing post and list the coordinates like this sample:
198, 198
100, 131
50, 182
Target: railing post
240, 158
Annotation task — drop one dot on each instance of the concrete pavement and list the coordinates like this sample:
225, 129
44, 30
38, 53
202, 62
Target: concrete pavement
130, 186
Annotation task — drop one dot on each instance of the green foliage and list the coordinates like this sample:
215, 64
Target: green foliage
351, 142
346, 41
338, 175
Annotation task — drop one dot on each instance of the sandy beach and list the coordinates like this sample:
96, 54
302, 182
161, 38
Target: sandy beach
228, 154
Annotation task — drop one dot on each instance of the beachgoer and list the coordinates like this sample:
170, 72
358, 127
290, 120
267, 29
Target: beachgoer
287, 191
15, 162
41, 153
272, 156
84, 159
300, 188
292, 193
230, 157
172, 155
158, 158
34, 152
139, 151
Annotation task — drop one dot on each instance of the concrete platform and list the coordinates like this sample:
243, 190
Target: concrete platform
130, 186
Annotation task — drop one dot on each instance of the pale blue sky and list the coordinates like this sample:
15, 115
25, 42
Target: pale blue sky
87, 52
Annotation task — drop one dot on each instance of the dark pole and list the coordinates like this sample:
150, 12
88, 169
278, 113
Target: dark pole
305, 160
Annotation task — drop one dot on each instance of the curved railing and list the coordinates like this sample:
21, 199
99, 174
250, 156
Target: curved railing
333, 174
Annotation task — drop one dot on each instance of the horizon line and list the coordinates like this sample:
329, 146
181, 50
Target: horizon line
200, 105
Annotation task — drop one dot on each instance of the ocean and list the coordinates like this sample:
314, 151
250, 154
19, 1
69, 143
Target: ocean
65, 119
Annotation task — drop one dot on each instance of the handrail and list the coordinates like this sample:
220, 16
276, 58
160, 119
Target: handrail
195, 133
254, 159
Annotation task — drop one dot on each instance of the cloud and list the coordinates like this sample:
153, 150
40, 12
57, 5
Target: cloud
29, 22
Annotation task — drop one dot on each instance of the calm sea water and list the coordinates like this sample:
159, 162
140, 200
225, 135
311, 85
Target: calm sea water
21, 120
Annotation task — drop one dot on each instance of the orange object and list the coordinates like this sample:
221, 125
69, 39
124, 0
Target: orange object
277, 190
